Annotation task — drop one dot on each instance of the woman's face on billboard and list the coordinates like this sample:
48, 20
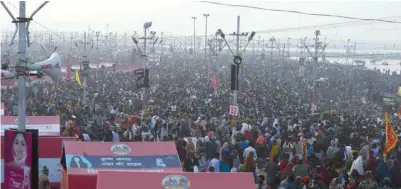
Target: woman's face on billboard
19, 147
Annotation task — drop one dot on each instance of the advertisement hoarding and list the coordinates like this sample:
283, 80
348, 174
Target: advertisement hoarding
18, 160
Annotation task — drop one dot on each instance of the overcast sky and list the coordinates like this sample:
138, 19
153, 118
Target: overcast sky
174, 17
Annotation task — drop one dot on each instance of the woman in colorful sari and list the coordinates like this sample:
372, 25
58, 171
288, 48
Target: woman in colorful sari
287, 170
274, 150
250, 165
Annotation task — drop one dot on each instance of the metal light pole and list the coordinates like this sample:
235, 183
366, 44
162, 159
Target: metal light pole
206, 65
236, 65
146, 26
272, 40
193, 50
21, 71
85, 66
315, 62
22, 24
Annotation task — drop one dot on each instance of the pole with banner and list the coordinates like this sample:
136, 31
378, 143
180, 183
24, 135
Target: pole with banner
235, 68
21, 162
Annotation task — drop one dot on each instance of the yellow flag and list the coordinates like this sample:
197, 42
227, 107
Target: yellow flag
77, 78
391, 136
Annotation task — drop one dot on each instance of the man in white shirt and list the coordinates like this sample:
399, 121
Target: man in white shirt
215, 163
116, 137
250, 149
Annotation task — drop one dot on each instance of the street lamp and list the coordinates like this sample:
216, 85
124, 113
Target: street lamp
235, 67
206, 65
193, 50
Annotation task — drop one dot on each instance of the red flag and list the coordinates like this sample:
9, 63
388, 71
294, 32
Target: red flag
215, 82
68, 68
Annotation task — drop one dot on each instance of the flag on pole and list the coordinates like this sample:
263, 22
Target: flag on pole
77, 78
391, 136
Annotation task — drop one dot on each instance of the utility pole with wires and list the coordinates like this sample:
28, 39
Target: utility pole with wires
85, 64
353, 54
235, 67
301, 47
347, 52
97, 63
206, 64
22, 27
193, 42
315, 56
272, 41
144, 71
288, 49
50, 43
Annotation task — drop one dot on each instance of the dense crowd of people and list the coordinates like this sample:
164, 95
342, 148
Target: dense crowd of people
340, 145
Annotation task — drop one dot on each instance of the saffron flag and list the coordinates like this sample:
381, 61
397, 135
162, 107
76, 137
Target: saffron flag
77, 78
391, 136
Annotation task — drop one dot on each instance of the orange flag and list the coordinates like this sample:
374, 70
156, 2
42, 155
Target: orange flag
391, 136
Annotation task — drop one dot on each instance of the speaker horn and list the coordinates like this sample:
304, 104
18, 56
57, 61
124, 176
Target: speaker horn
50, 67
7, 74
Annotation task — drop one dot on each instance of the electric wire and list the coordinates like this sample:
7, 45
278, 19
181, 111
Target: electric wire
299, 12
322, 26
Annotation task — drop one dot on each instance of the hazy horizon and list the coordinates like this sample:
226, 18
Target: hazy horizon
173, 17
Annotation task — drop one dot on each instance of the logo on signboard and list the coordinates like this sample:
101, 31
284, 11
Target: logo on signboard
175, 182
120, 149
26, 121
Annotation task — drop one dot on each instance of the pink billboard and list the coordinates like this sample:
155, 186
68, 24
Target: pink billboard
17, 160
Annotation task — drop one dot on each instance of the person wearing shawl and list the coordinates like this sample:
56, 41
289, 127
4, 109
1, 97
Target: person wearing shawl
274, 150
190, 147
371, 164
271, 169
181, 149
224, 151
250, 163
242, 168
287, 170
336, 184
358, 166
396, 173
382, 171
326, 175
